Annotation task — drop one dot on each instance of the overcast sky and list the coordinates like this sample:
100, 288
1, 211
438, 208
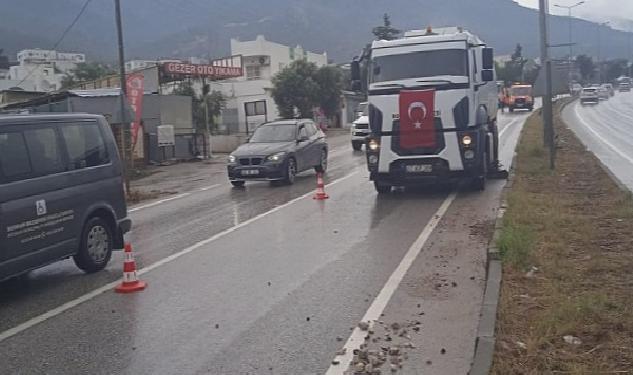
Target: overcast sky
592, 9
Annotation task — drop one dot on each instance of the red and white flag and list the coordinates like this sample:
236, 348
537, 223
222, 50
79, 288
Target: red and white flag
135, 86
417, 119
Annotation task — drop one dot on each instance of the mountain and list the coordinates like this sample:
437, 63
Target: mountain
182, 28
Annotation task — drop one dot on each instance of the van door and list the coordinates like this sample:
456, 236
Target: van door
35, 211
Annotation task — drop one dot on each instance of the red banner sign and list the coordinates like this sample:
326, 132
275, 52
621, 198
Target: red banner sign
135, 85
417, 119
201, 70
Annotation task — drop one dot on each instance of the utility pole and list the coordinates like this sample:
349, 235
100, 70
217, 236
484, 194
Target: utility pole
571, 33
600, 26
548, 121
124, 122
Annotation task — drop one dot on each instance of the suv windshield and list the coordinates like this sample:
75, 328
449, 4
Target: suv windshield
449, 62
274, 133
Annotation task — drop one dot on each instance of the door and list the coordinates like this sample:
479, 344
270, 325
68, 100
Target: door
35, 211
303, 148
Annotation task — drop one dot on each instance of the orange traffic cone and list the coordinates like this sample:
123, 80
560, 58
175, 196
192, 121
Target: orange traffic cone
130, 282
320, 192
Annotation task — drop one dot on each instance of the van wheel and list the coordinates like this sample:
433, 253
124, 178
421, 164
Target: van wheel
95, 249
382, 188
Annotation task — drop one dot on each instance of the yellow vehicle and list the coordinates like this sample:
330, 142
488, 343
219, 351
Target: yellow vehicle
519, 96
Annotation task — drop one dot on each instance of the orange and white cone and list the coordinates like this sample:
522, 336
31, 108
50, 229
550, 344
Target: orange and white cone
320, 192
130, 282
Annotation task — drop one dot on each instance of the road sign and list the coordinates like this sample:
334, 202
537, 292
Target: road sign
166, 136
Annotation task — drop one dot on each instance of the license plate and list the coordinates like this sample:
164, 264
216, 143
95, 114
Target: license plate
420, 168
250, 172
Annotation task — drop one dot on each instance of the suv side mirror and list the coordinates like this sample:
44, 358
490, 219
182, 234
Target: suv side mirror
302, 138
488, 59
488, 75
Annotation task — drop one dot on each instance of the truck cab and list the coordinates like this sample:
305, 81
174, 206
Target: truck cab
432, 110
519, 96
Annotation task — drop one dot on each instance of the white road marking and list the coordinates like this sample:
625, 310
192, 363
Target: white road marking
378, 305
88, 296
161, 201
614, 149
156, 203
509, 125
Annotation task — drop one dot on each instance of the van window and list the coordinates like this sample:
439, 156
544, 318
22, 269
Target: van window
85, 146
43, 151
14, 157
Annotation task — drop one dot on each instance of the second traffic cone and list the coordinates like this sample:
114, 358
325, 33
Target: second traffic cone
320, 192
130, 282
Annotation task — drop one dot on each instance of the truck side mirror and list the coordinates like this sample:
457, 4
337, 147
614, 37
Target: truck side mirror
355, 66
488, 75
488, 58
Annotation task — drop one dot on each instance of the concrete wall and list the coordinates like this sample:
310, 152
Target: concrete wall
226, 143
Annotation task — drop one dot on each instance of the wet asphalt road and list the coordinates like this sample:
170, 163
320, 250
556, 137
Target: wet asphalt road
276, 279
606, 130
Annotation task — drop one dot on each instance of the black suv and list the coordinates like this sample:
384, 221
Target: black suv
61, 192
277, 151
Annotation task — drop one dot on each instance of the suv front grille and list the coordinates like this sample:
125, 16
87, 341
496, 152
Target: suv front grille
251, 161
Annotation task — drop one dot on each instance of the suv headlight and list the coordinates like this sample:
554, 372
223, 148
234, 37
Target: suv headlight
276, 158
232, 159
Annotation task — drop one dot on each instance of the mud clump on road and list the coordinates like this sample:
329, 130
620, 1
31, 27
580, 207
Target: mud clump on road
566, 248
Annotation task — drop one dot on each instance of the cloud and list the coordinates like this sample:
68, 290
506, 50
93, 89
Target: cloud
592, 9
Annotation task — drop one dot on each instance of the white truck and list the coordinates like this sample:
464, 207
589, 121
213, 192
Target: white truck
432, 109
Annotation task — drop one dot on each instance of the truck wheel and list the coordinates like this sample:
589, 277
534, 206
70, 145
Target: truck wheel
238, 184
382, 188
95, 248
357, 146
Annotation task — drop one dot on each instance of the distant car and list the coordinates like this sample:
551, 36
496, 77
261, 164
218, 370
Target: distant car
609, 88
360, 128
624, 87
575, 89
589, 95
278, 151
603, 93
61, 192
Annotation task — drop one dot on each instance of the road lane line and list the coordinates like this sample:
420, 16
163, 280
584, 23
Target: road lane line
380, 303
182, 195
614, 149
509, 125
88, 296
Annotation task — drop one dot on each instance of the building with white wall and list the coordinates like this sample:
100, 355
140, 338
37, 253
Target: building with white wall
262, 60
44, 69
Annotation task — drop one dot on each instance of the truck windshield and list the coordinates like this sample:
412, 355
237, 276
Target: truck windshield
521, 91
448, 62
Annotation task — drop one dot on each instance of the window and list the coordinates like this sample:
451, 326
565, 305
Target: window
255, 108
303, 133
85, 146
253, 72
43, 151
312, 130
14, 157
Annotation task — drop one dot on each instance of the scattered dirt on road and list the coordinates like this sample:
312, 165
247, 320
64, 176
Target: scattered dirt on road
567, 245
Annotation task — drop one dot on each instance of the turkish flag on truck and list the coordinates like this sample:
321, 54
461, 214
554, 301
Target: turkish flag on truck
417, 119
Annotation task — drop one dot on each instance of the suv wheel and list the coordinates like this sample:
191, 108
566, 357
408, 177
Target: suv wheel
291, 171
95, 248
238, 183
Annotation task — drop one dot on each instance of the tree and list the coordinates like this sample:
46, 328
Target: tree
91, 71
216, 102
586, 66
295, 88
386, 31
302, 86
616, 68
330, 82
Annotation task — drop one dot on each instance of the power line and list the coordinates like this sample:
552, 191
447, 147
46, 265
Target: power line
61, 38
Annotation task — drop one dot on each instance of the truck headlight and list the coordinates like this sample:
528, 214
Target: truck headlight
232, 159
373, 145
275, 158
467, 140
